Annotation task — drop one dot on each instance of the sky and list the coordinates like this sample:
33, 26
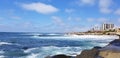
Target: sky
57, 15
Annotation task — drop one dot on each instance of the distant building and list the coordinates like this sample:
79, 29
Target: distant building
107, 26
96, 28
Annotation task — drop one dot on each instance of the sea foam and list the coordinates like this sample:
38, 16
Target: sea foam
77, 37
42, 52
5, 43
1, 56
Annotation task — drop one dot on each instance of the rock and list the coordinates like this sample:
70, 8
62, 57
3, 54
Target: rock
61, 56
48, 57
115, 42
109, 54
112, 50
93, 53
97, 47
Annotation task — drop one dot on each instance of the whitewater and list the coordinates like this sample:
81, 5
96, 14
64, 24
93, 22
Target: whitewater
40, 45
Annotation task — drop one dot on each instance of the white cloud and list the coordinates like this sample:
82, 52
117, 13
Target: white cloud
27, 24
103, 20
76, 29
46, 0
86, 2
97, 25
40, 8
49, 0
119, 20
69, 18
90, 19
16, 17
105, 5
69, 10
1, 18
74, 19
77, 19
58, 21
117, 11
105, 10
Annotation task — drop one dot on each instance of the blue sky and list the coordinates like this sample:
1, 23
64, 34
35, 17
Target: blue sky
57, 15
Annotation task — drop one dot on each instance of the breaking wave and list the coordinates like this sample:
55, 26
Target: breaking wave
52, 50
77, 37
5, 43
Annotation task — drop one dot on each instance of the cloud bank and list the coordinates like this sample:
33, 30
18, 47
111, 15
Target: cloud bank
40, 8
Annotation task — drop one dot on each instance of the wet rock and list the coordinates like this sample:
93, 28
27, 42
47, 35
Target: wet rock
59, 56
112, 50
97, 47
93, 53
115, 42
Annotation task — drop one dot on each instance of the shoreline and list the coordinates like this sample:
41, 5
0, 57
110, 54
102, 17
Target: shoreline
112, 50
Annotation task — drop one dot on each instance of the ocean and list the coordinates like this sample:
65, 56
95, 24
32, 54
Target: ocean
40, 45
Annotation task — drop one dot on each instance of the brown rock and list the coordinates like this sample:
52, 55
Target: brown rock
89, 53
109, 54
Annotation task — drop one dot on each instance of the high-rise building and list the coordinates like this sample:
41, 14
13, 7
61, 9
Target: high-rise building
107, 26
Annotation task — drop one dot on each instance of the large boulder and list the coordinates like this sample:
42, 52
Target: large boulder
59, 56
93, 53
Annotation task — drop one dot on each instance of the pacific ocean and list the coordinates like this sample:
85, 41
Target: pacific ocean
40, 45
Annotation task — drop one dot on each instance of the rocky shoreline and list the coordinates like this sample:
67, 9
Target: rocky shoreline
112, 50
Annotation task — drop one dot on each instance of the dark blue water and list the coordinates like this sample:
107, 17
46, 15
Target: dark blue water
39, 45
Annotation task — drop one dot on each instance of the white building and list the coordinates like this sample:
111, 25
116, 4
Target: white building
107, 26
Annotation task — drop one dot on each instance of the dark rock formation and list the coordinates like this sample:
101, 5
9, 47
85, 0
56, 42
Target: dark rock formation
93, 53
59, 56
115, 42
97, 47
